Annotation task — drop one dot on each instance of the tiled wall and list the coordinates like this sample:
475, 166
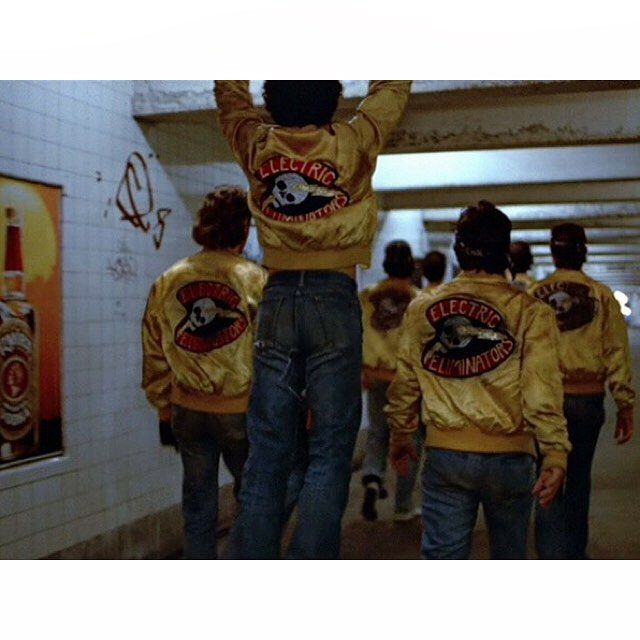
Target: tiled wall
79, 135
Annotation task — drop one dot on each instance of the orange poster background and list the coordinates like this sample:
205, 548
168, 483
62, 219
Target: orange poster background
40, 206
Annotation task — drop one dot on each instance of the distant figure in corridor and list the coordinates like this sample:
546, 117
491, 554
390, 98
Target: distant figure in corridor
434, 265
197, 335
521, 261
478, 363
316, 214
594, 351
383, 307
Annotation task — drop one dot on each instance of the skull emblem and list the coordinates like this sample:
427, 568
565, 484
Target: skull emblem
457, 333
561, 302
206, 310
290, 189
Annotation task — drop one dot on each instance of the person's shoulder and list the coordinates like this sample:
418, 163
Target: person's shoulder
247, 270
181, 266
600, 287
365, 294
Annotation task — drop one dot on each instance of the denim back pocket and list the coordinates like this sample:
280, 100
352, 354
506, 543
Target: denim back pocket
268, 331
337, 317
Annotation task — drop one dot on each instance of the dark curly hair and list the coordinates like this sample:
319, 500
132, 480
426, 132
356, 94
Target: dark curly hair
223, 219
398, 260
483, 235
434, 265
297, 103
568, 246
521, 257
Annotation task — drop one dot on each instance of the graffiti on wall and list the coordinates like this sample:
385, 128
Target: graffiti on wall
123, 266
135, 200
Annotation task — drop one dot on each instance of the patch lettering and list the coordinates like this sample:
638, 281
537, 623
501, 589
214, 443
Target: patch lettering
299, 191
213, 318
471, 338
571, 301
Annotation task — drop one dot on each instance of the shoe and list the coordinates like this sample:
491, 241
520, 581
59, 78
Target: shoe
405, 516
371, 493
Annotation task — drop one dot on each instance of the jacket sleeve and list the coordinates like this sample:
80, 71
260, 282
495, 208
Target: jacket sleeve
617, 354
237, 115
404, 396
542, 392
379, 113
156, 373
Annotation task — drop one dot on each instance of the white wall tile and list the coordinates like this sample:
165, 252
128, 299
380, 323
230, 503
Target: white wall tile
114, 468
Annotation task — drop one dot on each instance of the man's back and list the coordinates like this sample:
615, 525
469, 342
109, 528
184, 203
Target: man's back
310, 186
593, 344
383, 308
484, 355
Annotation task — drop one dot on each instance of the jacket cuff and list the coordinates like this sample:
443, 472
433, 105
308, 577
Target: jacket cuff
555, 459
164, 414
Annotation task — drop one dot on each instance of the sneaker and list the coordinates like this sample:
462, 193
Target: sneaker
405, 516
369, 505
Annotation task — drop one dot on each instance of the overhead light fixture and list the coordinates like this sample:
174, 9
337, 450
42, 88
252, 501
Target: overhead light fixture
622, 299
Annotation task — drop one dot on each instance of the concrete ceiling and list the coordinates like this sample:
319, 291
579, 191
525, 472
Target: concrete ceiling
545, 151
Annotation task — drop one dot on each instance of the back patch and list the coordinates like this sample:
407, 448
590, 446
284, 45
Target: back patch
299, 191
471, 338
389, 306
212, 317
571, 301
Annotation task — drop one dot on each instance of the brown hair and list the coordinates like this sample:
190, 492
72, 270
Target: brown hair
223, 219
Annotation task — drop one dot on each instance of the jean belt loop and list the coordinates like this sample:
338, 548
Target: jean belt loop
301, 279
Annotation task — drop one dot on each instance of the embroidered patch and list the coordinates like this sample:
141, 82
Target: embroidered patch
212, 318
471, 338
298, 191
571, 301
389, 306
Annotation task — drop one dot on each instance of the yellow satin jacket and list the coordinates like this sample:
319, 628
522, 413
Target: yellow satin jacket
478, 361
594, 345
197, 333
383, 307
310, 187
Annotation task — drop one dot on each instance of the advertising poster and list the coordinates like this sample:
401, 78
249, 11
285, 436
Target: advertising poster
30, 321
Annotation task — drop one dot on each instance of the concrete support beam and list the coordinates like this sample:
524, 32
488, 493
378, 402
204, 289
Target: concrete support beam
453, 115
505, 194
544, 212
596, 249
607, 222
487, 122
611, 236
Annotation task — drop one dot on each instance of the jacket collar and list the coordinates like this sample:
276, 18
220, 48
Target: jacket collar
482, 276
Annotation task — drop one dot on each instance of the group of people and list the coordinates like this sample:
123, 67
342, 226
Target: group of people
502, 388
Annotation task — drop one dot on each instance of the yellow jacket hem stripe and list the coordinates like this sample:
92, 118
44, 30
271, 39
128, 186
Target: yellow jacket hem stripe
472, 440
286, 259
209, 403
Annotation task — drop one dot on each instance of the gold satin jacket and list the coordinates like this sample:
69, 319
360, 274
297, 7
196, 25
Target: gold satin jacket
594, 345
310, 187
478, 361
383, 307
197, 333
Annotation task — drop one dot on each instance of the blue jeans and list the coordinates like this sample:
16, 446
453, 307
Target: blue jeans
309, 337
456, 483
562, 530
377, 449
202, 438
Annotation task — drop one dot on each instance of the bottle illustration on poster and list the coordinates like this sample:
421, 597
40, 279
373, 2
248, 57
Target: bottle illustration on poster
30, 317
